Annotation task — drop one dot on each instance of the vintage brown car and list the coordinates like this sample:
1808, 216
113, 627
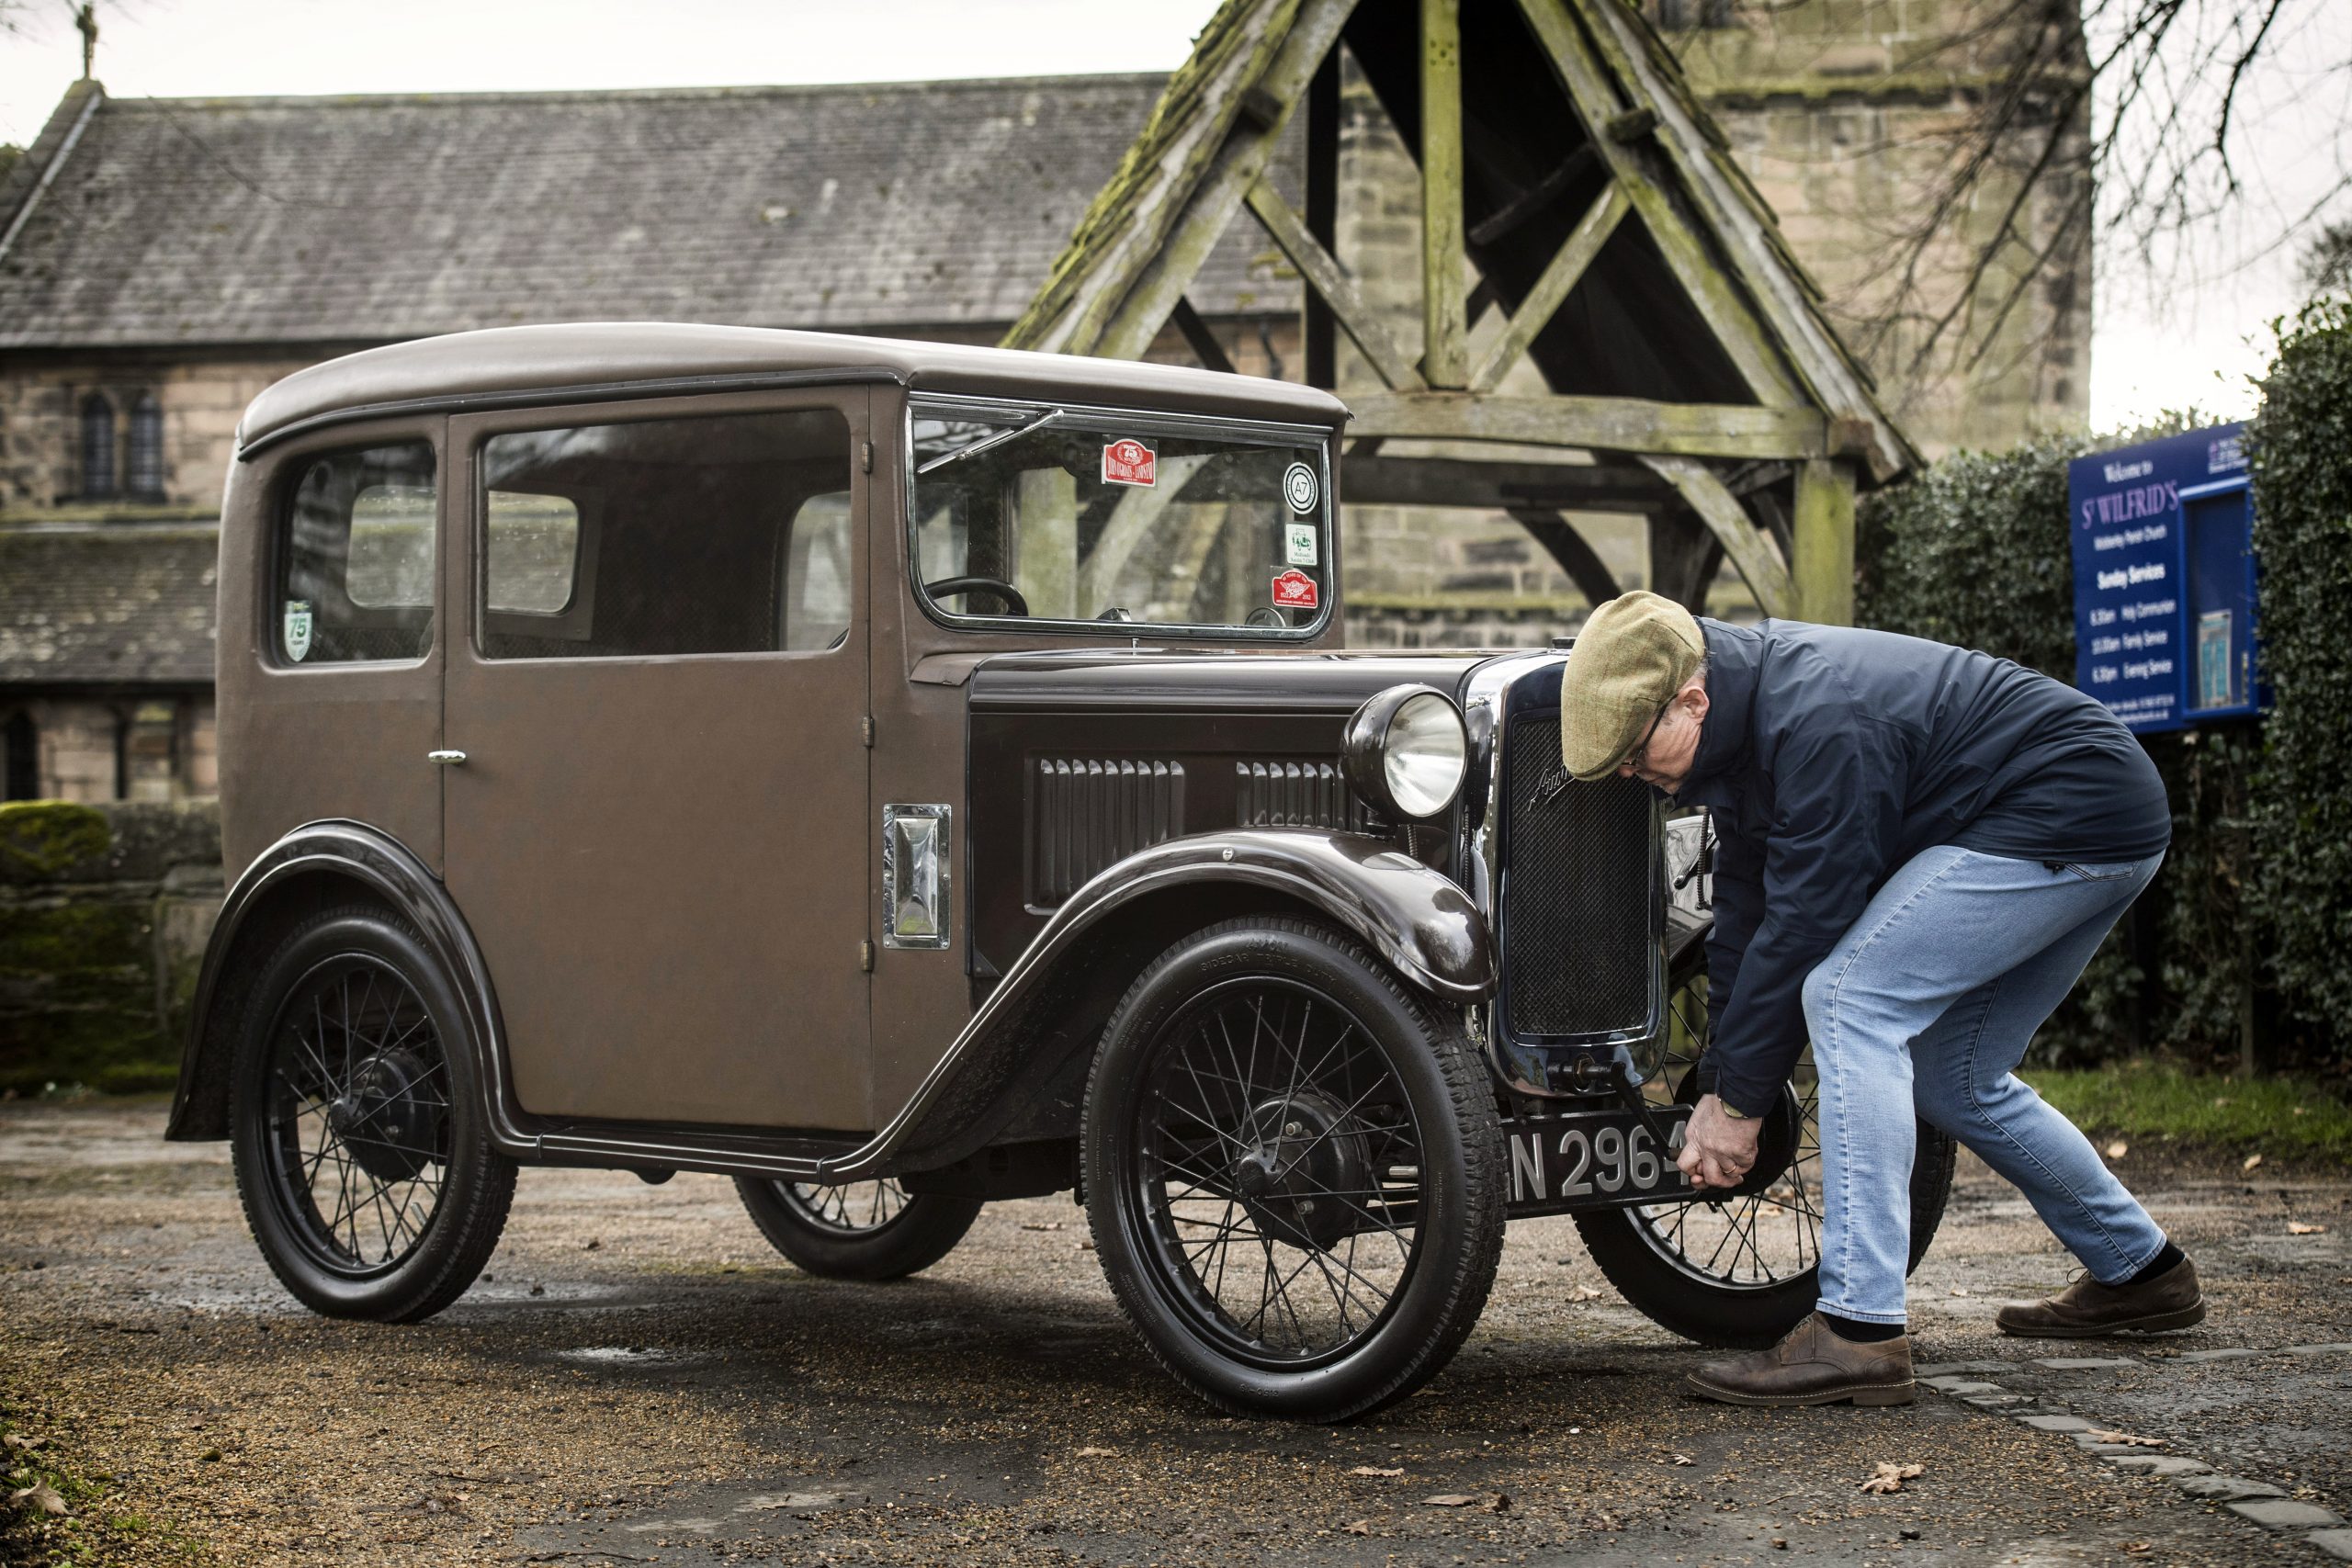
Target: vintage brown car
898, 776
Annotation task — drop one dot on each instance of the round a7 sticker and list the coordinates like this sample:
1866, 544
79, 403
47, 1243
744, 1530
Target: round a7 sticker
1300, 487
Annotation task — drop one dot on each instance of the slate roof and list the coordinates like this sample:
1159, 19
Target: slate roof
889, 207
108, 604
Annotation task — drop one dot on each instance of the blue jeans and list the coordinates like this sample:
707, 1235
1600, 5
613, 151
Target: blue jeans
1926, 1004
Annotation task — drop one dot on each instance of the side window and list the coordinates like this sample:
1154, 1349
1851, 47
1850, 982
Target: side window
355, 557
718, 534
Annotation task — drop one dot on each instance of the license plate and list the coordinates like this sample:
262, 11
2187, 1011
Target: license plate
1594, 1160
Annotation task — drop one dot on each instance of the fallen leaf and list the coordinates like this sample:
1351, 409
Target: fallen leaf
2299, 1110
2220, 1101
26, 1445
1683, 1458
1890, 1476
2296, 1228
1583, 1293
1097, 1453
41, 1495
2117, 1149
1449, 1500
1500, 1503
1960, 1289
2251, 1161
1361, 1526
1375, 1469
1042, 1225
2096, 1436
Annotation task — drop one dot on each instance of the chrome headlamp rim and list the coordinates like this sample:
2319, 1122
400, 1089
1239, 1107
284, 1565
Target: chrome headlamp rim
1364, 750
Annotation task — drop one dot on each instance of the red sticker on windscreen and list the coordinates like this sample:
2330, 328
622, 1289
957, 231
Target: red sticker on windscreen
1294, 589
1128, 463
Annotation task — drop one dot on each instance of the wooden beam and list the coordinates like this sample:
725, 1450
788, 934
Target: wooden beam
1753, 553
1317, 333
1500, 487
1129, 329
1551, 289
1609, 424
1198, 337
1823, 534
1357, 317
1684, 557
1717, 298
1445, 329
1584, 566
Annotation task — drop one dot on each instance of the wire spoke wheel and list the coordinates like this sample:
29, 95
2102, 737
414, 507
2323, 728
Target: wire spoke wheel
855, 1208
1279, 1172
356, 1114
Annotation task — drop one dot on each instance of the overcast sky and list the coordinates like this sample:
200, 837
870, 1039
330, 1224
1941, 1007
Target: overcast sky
2188, 333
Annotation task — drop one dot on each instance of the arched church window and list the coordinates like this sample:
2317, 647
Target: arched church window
97, 447
145, 464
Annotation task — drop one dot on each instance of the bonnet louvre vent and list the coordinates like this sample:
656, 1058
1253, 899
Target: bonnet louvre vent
1087, 812
1294, 795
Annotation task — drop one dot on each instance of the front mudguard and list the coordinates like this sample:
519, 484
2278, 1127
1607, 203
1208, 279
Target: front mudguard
1042, 1015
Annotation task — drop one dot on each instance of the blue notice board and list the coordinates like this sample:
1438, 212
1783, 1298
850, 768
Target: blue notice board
2165, 580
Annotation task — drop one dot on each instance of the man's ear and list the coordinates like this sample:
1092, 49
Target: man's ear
1694, 697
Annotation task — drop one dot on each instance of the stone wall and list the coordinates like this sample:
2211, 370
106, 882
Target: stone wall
151, 748
104, 914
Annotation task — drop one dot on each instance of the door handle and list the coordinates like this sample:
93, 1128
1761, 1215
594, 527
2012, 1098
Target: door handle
446, 759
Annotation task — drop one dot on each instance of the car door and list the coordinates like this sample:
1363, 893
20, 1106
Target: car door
659, 829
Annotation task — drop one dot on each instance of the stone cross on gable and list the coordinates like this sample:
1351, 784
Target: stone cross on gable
86, 20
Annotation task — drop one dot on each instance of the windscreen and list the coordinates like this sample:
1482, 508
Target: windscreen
1043, 513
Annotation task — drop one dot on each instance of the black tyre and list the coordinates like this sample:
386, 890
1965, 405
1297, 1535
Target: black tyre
1742, 1270
1292, 1172
863, 1230
357, 1125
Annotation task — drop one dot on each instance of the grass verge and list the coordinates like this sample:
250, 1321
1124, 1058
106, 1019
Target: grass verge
95, 1529
2150, 1103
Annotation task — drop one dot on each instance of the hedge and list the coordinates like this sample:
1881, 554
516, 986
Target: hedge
2245, 932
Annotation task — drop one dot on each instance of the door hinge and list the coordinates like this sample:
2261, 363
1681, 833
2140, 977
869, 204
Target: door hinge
866, 957
865, 457
865, 730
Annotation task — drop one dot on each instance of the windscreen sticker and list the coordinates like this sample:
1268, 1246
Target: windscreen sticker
1298, 544
1129, 462
298, 628
1300, 487
1294, 589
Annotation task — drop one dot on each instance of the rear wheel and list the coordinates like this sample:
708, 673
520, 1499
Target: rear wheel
1292, 1172
357, 1127
860, 1230
1742, 1269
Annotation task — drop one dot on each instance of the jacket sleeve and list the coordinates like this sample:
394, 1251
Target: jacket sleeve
1837, 795
1739, 904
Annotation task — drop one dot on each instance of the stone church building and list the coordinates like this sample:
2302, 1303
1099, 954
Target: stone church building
161, 261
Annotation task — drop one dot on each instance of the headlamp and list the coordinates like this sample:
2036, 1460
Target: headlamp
1404, 752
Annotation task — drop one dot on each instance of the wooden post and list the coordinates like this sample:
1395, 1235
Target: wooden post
1823, 534
1444, 330
1322, 213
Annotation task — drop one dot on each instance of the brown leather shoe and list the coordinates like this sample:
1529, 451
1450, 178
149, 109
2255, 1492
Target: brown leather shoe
1813, 1366
2086, 1309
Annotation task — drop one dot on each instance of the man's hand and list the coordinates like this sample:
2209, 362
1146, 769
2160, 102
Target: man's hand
1717, 1149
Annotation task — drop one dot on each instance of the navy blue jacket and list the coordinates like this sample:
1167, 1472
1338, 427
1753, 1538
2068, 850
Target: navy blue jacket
1831, 756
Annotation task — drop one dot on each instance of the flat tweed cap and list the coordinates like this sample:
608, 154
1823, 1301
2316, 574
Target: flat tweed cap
1635, 653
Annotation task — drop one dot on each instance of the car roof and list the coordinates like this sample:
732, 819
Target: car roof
504, 366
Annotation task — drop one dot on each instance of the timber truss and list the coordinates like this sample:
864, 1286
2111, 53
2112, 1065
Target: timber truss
1569, 180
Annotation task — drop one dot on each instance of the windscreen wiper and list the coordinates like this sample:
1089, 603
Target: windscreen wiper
1051, 416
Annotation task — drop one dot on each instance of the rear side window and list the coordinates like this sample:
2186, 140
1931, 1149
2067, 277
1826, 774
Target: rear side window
716, 534
355, 557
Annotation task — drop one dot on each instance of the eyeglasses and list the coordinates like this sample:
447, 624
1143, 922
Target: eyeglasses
1640, 754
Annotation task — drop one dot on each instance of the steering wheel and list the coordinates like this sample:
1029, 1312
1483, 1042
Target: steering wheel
1014, 604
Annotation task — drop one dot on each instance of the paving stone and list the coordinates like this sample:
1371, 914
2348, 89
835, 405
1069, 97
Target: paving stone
1947, 1369
1963, 1385
2233, 1354
2147, 1463
1994, 1401
2335, 1543
2286, 1513
2099, 1448
2226, 1488
2086, 1363
2056, 1423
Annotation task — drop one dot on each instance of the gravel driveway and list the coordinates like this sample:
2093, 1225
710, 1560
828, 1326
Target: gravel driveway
637, 1379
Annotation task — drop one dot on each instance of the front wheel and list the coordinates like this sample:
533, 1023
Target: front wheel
1742, 1269
863, 1230
1292, 1172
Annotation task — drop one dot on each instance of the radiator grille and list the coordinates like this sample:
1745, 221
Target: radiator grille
1086, 812
1294, 795
1577, 948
